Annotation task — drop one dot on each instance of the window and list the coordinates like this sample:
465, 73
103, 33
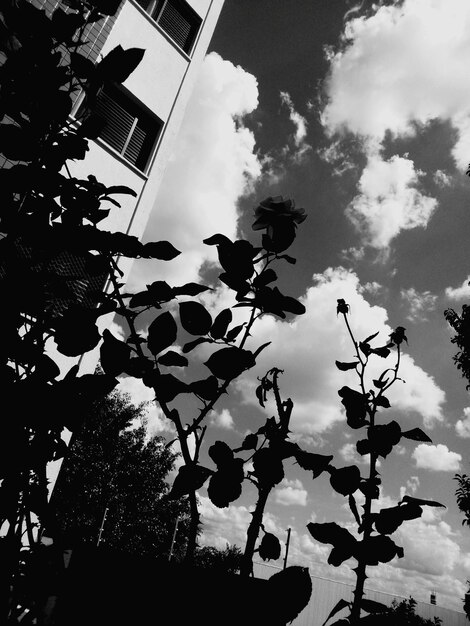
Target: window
127, 126
176, 18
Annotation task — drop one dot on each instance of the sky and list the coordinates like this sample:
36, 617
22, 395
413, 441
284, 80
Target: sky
361, 113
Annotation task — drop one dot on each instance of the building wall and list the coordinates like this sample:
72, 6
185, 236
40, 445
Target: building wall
326, 594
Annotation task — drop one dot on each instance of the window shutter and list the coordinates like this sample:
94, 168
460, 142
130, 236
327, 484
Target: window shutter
180, 23
119, 122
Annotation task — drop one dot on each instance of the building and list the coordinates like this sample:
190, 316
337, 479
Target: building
143, 115
326, 593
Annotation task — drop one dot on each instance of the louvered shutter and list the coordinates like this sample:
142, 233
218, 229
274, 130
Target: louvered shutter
180, 23
119, 122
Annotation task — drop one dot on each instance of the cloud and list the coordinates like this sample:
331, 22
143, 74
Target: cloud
419, 303
306, 349
459, 293
462, 426
214, 163
400, 68
437, 458
223, 419
397, 69
156, 421
300, 124
290, 492
389, 201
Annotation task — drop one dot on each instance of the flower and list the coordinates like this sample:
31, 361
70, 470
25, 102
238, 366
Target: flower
276, 211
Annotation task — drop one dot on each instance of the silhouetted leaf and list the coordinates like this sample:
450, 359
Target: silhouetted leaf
166, 386
161, 291
260, 349
76, 333
234, 332
121, 189
138, 367
229, 363
190, 289
419, 502
371, 606
216, 240
378, 549
289, 259
114, 354
119, 64
189, 478
267, 467
172, 358
225, 485
316, 463
339, 606
249, 443
206, 389
345, 480
162, 333
291, 590
162, 250
382, 401
356, 405
346, 366
353, 507
195, 318
382, 438
398, 335
267, 276
221, 454
383, 351
193, 344
387, 520
16, 144
46, 369
370, 337
64, 25
270, 547
380, 384
221, 323
416, 434
81, 65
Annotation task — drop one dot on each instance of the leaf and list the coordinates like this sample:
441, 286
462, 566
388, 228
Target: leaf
206, 389
143, 298
346, 366
345, 480
114, 354
221, 323
162, 250
119, 64
195, 318
420, 502
172, 358
234, 332
371, 606
81, 65
249, 443
76, 333
370, 337
161, 291
190, 289
189, 479
383, 351
353, 507
121, 189
225, 485
291, 589
228, 363
193, 344
339, 606
260, 349
378, 549
216, 240
267, 467
162, 333
317, 463
382, 401
221, 454
356, 405
380, 384
270, 547
166, 386
416, 434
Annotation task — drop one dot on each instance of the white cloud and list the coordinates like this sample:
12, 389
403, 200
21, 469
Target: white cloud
223, 419
441, 178
462, 426
410, 487
307, 348
300, 133
213, 164
459, 293
419, 302
436, 457
406, 63
138, 392
398, 69
388, 201
290, 492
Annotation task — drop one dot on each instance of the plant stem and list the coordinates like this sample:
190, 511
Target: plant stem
246, 568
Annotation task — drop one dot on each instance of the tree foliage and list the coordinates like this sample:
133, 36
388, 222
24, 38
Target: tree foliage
115, 480
461, 325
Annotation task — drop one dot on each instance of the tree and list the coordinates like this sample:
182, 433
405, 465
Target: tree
227, 560
113, 485
401, 614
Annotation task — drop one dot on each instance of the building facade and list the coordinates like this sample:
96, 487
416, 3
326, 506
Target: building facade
143, 115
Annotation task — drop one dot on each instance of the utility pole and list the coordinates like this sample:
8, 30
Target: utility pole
287, 547
102, 526
173, 538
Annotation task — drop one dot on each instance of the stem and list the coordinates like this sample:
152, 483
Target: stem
246, 568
